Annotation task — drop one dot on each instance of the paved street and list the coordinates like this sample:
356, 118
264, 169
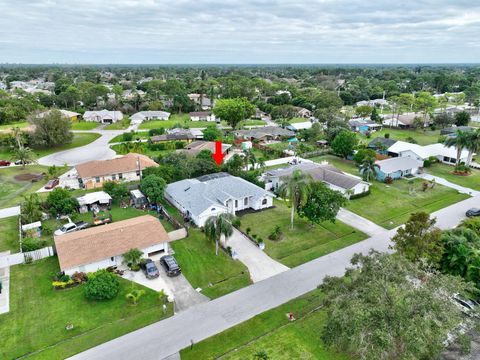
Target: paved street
96, 150
259, 264
167, 337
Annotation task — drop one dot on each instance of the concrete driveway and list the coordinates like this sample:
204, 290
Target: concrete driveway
259, 264
96, 150
177, 288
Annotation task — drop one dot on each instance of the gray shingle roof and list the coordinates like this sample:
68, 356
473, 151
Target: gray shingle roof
258, 133
197, 195
325, 173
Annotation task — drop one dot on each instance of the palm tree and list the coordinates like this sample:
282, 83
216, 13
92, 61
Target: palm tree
25, 155
135, 295
474, 144
216, 226
368, 168
132, 258
295, 189
460, 141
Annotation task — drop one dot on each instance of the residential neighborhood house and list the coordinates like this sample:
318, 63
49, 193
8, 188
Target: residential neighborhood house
397, 167
196, 147
103, 116
334, 178
364, 125
129, 167
405, 121
103, 246
71, 115
264, 134
142, 116
202, 116
421, 153
215, 194
179, 135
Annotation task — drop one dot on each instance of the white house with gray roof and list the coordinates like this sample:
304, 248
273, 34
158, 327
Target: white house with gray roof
215, 194
334, 178
142, 116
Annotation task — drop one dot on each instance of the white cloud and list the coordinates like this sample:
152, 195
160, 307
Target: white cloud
235, 31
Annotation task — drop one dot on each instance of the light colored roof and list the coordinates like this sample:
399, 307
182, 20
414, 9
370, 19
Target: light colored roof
200, 113
144, 114
197, 195
196, 146
320, 172
65, 113
403, 119
124, 164
101, 242
392, 165
34, 225
426, 151
137, 194
300, 126
98, 196
261, 132
103, 114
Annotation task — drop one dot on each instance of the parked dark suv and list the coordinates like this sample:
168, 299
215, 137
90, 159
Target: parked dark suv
150, 269
170, 265
473, 212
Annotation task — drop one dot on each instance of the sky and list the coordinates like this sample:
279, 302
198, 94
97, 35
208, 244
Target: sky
239, 31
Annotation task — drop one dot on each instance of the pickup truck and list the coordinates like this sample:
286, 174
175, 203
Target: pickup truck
70, 227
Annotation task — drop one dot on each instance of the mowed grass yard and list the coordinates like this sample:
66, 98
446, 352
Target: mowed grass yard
391, 205
9, 237
216, 275
38, 315
84, 125
305, 242
471, 181
79, 139
273, 333
12, 190
422, 137
174, 121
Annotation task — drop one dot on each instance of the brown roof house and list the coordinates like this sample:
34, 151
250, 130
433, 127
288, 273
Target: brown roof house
129, 167
101, 247
195, 147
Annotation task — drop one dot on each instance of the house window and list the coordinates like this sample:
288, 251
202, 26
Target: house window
114, 177
138, 172
97, 179
120, 176
264, 202
245, 201
213, 209
112, 259
236, 203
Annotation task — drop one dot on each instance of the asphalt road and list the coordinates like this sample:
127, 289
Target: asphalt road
167, 337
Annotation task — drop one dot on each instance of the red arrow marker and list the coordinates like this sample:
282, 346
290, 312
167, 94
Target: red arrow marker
218, 155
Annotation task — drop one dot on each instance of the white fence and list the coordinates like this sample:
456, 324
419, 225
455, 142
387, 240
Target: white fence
178, 234
20, 258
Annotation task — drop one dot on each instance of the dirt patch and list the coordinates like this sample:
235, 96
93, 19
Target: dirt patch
29, 177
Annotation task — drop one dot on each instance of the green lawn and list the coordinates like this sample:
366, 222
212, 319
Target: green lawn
119, 125
21, 125
391, 205
174, 120
38, 314
423, 137
273, 333
11, 189
9, 231
304, 242
251, 122
342, 164
297, 120
216, 275
84, 125
445, 171
79, 139
137, 135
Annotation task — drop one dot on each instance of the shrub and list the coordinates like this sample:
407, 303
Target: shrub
411, 140
386, 136
276, 233
248, 230
58, 285
31, 244
128, 136
388, 180
237, 222
229, 250
254, 236
60, 201
64, 277
159, 131
79, 277
101, 285
259, 240
462, 169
